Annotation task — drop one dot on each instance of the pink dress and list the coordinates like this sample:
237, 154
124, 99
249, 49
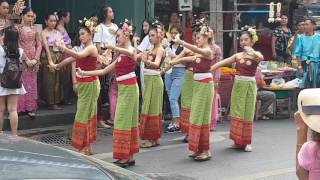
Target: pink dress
31, 44
216, 98
309, 159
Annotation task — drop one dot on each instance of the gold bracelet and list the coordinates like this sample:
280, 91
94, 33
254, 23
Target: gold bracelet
63, 50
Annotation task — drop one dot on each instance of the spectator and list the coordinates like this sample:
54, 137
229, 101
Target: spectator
50, 79
30, 42
280, 38
308, 117
65, 73
265, 97
8, 96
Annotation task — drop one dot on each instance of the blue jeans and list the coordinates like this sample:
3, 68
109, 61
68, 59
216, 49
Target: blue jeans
173, 84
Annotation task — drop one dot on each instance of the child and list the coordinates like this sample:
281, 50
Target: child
309, 154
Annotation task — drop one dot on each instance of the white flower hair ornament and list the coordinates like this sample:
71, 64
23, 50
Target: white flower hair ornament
159, 28
18, 7
89, 24
252, 30
202, 26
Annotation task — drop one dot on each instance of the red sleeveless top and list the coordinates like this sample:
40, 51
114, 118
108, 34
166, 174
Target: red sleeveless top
153, 60
201, 67
87, 64
246, 67
125, 65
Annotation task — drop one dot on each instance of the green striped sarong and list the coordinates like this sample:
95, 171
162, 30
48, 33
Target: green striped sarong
200, 116
85, 126
186, 99
126, 132
151, 113
242, 110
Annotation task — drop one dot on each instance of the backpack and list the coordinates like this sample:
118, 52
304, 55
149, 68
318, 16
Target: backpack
11, 76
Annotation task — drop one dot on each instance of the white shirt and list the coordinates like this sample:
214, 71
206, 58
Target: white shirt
104, 35
3, 58
145, 44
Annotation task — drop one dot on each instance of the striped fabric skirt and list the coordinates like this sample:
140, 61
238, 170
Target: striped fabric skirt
242, 110
200, 116
126, 131
186, 98
85, 126
151, 111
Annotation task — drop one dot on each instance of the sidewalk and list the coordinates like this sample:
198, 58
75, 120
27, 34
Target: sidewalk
48, 118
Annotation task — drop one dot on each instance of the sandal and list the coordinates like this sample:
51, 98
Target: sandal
102, 124
123, 164
248, 148
156, 143
31, 115
202, 157
110, 123
194, 155
236, 146
265, 118
130, 163
147, 144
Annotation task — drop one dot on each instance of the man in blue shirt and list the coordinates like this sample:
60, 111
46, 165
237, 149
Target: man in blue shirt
307, 53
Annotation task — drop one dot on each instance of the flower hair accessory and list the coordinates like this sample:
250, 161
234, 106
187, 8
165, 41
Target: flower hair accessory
252, 30
19, 6
127, 28
202, 26
157, 25
89, 24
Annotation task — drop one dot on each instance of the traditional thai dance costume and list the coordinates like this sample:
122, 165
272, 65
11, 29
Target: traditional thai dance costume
126, 131
243, 101
151, 111
200, 115
85, 126
30, 42
308, 49
186, 99
50, 81
65, 73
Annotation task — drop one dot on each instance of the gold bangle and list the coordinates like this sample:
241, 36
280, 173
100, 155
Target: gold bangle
63, 49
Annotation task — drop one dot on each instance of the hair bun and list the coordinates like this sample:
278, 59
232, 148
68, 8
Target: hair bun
252, 30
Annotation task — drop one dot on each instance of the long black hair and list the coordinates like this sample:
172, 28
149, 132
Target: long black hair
47, 18
26, 10
2, 1
11, 42
103, 13
143, 34
62, 13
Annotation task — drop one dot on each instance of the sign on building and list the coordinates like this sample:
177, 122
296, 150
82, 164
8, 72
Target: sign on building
185, 5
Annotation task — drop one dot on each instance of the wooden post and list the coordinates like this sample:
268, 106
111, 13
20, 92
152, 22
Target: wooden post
236, 26
216, 21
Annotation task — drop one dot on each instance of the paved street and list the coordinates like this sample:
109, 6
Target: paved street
272, 158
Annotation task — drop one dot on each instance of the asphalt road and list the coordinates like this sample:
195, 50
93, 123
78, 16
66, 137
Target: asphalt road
273, 157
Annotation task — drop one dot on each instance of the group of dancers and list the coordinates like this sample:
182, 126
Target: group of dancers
131, 126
